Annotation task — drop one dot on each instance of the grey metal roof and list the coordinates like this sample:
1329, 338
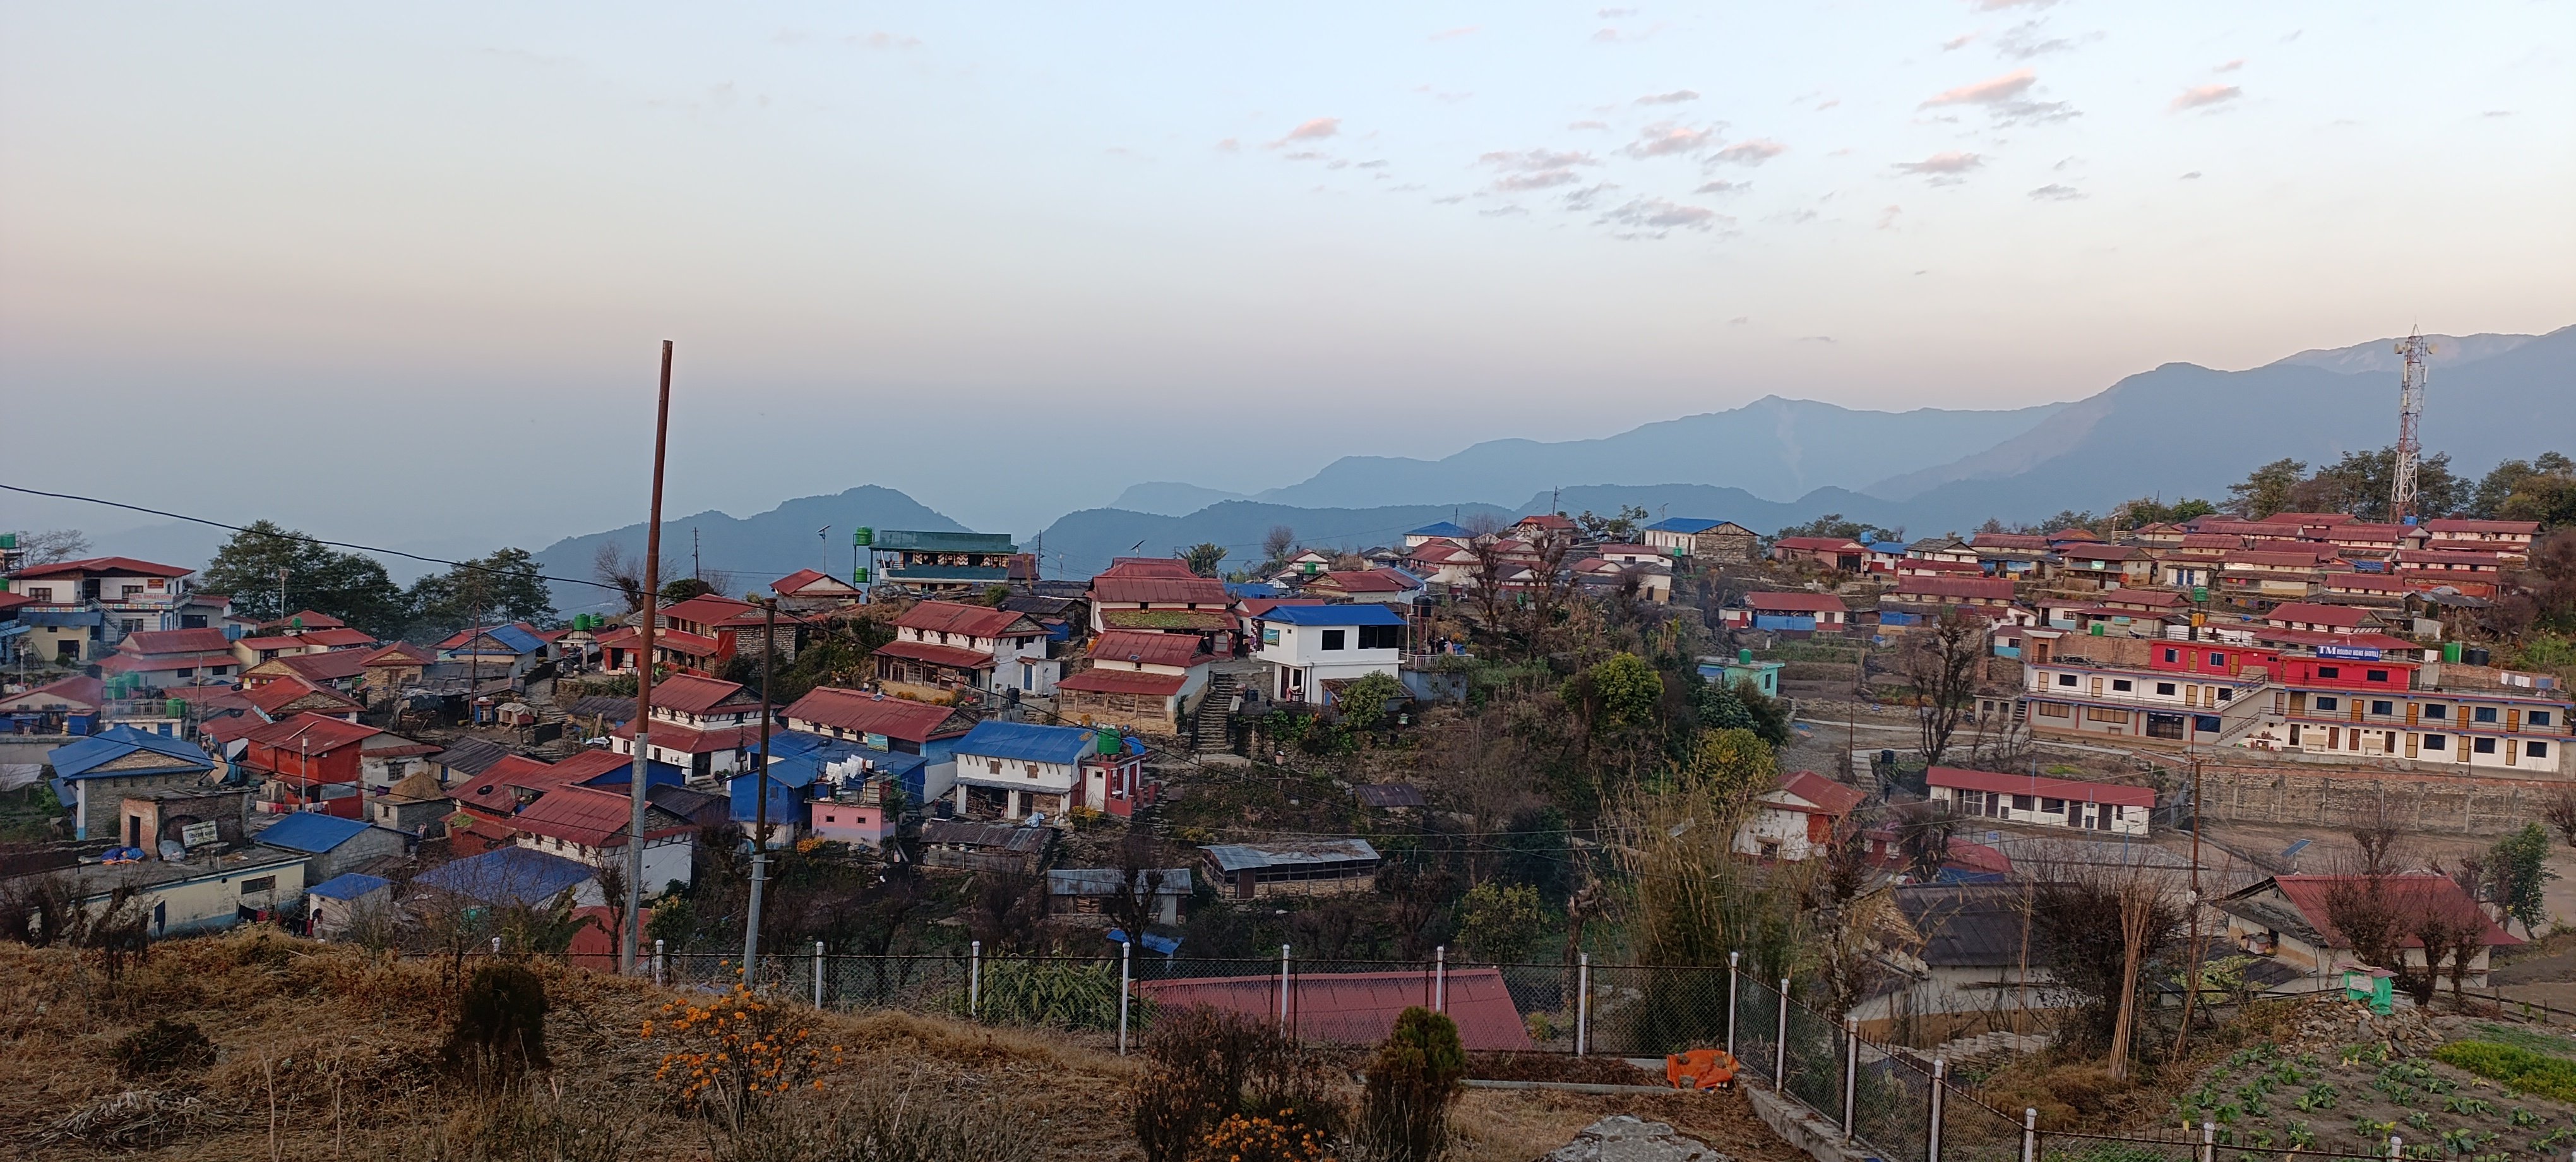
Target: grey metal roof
472, 755
1388, 795
909, 541
1966, 925
1245, 856
961, 833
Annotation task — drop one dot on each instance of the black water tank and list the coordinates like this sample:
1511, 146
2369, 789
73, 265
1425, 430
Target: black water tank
2475, 655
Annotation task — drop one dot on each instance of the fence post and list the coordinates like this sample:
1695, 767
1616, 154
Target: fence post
1440, 979
496, 946
974, 977
1124, 948
1940, 1091
657, 962
2208, 1141
1582, 1002
1731, 959
2029, 1134
1283, 989
1851, 1074
818, 974
1780, 1043
2395, 1144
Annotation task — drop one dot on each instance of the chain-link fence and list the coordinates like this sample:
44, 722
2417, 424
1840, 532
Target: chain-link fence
1814, 1060
1891, 1103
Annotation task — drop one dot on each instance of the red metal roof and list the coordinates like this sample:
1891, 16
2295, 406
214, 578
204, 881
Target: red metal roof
311, 733
958, 657
592, 762
125, 663
2463, 525
2008, 541
1829, 796
590, 816
1368, 581
328, 666
2409, 894
79, 688
691, 739
1793, 602
1998, 588
2212, 541
1818, 544
1206, 591
397, 654
176, 641
278, 695
126, 566
797, 581
691, 694
307, 618
1357, 1008
2046, 788
1148, 567
1098, 681
1148, 648
675, 640
1546, 520
338, 638
951, 617
875, 714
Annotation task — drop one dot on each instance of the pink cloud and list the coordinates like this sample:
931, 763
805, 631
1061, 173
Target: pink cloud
1991, 91
1753, 152
2203, 96
1315, 130
1667, 140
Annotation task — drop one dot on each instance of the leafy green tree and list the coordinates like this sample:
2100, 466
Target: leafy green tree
2517, 865
1203, 557
1621, 527
1363, 701
1832, 524
2543, 490
2266, 490
1417, 1074
2068, 518
1737, 764
350, 586
2360, 483
501, 587
685, 588
1620, 693
1499, 923
2147, 510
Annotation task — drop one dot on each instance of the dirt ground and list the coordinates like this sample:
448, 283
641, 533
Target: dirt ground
321, 1052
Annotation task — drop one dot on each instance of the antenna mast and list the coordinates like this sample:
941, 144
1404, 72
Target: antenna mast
2410, 412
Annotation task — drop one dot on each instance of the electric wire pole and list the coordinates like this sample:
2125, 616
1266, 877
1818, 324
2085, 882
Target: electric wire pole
644, 683
760, 787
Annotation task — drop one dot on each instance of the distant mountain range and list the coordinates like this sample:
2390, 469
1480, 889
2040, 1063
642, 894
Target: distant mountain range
2179, 430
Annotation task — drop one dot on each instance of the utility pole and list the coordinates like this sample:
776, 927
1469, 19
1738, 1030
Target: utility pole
760, 788
644, 683
696, 573
281, 593
2194, 972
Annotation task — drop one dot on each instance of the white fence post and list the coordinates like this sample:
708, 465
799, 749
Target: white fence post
2029, 1134
1780, 1043
496, 946
1283, 989
1851, 1073
818, 974
1940, 1091
1731, 959
657, 962
2208, 1141
1582, 1002
974, 978
1440, 979
1125, 947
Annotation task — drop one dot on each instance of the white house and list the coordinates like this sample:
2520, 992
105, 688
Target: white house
1312, 649
1795, 820
943, 645
1010, 769
2045, 802
700, 725
1138, 679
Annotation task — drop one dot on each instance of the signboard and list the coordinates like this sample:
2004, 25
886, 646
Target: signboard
198, 834
2349, 653
1270, 635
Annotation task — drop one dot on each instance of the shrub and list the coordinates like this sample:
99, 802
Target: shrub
1258, 1139
162, 1047
1205, 1069
737, 1053
1415, 1077
501, 1024
2524, 1070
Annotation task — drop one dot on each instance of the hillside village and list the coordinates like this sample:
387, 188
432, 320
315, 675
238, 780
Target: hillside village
1470, 756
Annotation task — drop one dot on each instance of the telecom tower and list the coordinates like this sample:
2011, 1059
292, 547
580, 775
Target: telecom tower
2410, 412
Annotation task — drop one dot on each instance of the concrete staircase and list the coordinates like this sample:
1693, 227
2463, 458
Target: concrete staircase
1211, 727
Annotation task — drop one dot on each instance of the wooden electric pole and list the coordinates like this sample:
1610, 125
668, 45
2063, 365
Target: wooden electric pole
638, 774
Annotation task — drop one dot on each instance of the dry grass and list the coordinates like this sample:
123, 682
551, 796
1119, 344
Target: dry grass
325, 1053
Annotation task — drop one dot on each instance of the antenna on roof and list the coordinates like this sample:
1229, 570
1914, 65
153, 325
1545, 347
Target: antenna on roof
2402, 494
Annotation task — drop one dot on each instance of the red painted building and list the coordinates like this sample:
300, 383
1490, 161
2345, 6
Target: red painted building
307, 763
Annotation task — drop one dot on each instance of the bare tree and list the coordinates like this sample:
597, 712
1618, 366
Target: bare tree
1923, 831
2096, 928
1276, 543
52, 545
1939, 662
2560, 814
1140, 880
611, 566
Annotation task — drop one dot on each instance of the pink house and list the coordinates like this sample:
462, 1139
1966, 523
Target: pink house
849, 823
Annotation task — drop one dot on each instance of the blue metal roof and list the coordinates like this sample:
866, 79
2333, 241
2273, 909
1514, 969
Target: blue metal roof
1251, 589
1334, 615
1682, 524
1887, 546
1445, 530
800, 758
348, 886
310, 832
63, 617
507, 875
78, 760
509, 637
1028, 742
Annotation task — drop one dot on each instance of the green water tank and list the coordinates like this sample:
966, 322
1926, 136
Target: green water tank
863, 537
1744, 657
2450, 651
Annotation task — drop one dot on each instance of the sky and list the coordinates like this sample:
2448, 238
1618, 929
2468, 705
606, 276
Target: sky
400, 273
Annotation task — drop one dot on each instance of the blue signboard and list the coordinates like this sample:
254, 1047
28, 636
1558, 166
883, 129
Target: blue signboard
2349, 653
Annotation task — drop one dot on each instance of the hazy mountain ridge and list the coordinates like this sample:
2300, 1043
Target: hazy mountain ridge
751, 551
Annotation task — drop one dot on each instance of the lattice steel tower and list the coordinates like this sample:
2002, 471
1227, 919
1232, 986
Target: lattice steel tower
2410, 412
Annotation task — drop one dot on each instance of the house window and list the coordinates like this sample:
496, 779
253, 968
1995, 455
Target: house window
2104, 714
184, 672
2437, 742
2225, 693
2165, 688
2173, 655
2066, 679
1333, 638
2021, 802
2483, 714
2539, 718
2218, 659
2482, 746
2535, 750
2329, 671
2436, 710
258, 884
2122, 685
2383, 708
2374, 675
2327, 703
996, 765
2052, 709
